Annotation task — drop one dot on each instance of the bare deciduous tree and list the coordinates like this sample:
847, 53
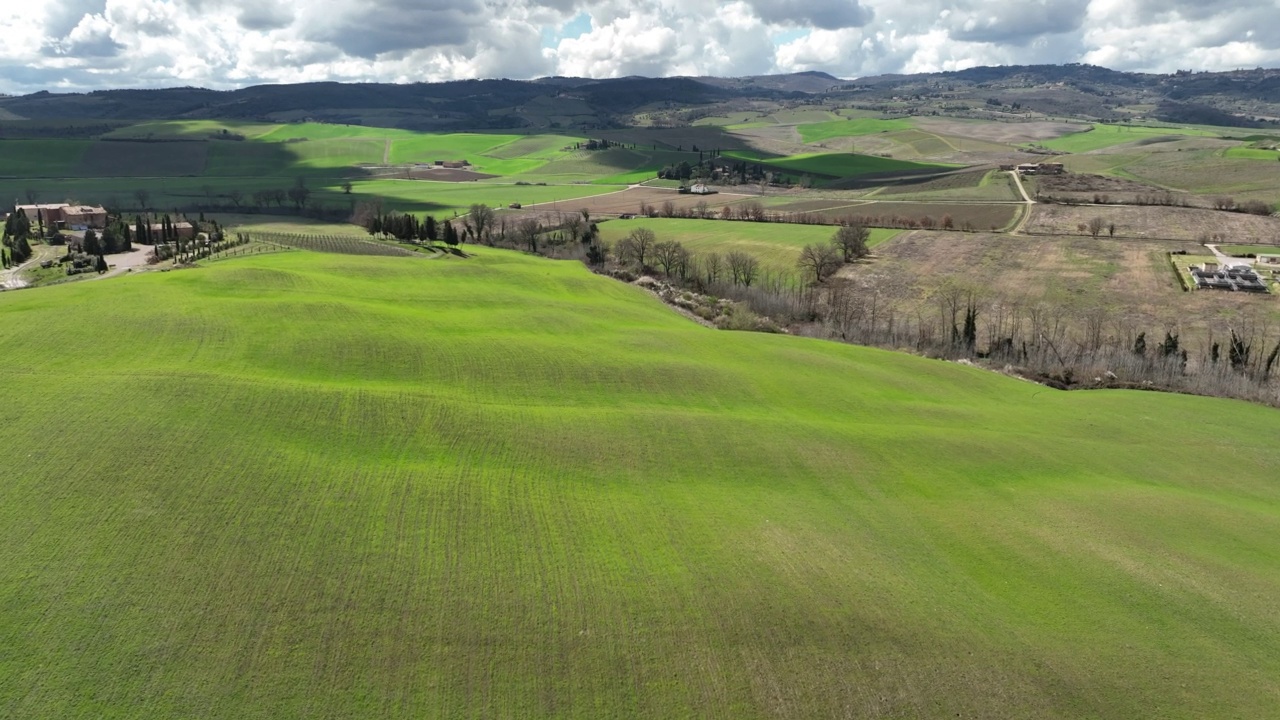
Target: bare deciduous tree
479, 221
574, 225
670, 255
713, 265
819, 260
528, 230
852, 239
1096, 226
636, 247
743, 267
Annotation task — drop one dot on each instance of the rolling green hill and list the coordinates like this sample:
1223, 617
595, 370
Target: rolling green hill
320, 486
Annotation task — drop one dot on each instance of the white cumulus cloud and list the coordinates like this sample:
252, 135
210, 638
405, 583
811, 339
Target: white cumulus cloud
88, 44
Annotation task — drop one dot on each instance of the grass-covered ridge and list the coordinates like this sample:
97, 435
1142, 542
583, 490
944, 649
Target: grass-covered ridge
1099, 136
305, 485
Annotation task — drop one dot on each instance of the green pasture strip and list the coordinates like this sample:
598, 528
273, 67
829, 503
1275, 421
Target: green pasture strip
776, 245
803, 116
836, 165
730, 119
1104, 136
1239, 250
193, 130
817, 132
1248, 153
447, 198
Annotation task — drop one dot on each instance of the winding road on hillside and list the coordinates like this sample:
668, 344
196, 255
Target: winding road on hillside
11, 279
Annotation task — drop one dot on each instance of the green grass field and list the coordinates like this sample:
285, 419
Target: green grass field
1248, 153
1105, 136
26, 159
817, 132
1250, 249
307, 485
417, 196
776, 245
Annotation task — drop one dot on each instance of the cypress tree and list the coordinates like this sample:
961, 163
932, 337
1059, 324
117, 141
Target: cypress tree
91, 244
21, 251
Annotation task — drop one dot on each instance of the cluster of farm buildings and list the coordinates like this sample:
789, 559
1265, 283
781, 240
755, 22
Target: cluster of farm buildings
1238, 278
57, 217
1036, 168
62, 216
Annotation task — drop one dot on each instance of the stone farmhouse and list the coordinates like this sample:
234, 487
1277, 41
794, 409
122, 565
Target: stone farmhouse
185, 230
62, 216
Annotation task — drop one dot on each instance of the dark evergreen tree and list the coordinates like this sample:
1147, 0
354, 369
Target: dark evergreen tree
20, 252
971, 327
91, 244
109, 241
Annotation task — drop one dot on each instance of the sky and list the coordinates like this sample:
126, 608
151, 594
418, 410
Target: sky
74, 45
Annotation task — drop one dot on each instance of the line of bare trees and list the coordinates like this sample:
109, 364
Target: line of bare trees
1061, 346
754, 211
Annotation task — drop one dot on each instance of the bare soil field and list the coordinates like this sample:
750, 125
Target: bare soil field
705, 137
1087, 187
1156, 223
1133, 284
1087, 183
982, 217
429, 172
954, 181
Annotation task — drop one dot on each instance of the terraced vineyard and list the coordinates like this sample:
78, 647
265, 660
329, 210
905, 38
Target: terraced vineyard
340, 244
310, 485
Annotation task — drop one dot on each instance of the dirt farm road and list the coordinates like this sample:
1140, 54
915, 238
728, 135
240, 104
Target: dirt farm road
1028, 202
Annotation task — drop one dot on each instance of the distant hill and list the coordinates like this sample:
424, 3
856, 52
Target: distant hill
1246, 98
1239, 98
803, 82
